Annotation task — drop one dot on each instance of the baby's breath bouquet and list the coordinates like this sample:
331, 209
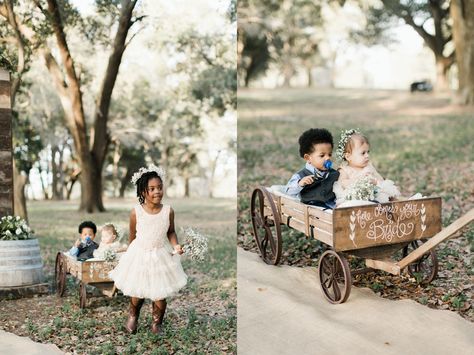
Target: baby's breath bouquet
14, 228
195, 244
362, 189
110, 255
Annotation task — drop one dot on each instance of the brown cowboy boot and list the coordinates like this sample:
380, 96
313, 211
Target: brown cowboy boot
158, 313
133, 314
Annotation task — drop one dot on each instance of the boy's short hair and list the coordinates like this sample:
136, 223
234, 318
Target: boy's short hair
314, 136
87, 224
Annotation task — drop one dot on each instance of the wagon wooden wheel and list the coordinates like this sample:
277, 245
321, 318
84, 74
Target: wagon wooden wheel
425, 268
60, 275
82, 295
266, 225
335, 277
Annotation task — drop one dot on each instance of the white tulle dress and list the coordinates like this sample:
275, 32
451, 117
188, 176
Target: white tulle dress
349, 176
148, 269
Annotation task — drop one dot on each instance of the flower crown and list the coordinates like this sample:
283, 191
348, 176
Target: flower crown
157, 169
110, 224
345, 136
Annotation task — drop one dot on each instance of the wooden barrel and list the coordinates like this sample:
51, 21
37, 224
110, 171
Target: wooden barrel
20, 263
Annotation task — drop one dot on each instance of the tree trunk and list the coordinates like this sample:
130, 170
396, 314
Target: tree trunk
91, 187
124, 182
61, 173
462, 14
44, 187
310, 76
55, 168
19, 202
288, 73
442, 67
115, 170
213, 173
186, 186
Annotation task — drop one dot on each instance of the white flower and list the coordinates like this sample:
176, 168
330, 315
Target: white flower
17, 218
8, 233
18, 231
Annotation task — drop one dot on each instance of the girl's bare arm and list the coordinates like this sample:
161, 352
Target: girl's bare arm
172, 237
133, 227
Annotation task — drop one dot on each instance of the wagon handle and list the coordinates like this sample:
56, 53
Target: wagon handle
446, 233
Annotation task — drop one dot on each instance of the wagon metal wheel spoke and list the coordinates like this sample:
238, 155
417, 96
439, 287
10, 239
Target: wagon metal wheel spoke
264, 246
337, 291
335, 267
327, 282
326, 267
273, 243
258, 220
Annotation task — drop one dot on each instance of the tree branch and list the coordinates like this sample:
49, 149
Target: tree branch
64, 51
55, 71
404, 13
21, 67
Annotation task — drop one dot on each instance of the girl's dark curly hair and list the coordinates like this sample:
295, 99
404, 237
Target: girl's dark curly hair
142, 185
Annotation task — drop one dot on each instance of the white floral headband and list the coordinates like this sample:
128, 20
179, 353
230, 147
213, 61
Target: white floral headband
345, 136
157, 169
109, 224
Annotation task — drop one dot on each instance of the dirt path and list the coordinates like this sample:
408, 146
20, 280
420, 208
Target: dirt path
281, 310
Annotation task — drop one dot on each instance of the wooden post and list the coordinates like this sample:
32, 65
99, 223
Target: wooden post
6, 157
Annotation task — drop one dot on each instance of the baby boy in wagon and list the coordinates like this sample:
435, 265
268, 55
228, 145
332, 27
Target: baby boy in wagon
84, 247
314, 183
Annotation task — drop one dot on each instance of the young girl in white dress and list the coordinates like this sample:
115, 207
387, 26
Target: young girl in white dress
353, 150
151, 266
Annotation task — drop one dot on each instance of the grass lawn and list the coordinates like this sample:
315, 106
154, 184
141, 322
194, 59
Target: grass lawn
202, 319
421, 141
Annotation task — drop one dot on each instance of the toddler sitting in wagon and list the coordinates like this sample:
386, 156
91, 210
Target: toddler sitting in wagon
84, 247
314, 183
109, 245
359, 182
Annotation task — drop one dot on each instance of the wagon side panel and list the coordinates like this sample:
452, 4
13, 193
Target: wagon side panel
97, 271
306, 219
384, 224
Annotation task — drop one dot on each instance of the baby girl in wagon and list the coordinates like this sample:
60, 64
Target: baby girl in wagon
358, 181
109, 242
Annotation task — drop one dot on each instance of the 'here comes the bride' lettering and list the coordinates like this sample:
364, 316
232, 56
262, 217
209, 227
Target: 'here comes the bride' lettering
387, 222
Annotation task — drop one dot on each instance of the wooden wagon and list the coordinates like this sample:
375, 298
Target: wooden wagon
90, 272
375, 232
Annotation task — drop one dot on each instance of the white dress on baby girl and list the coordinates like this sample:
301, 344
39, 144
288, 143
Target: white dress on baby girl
349, 176
103, 248
148, 269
